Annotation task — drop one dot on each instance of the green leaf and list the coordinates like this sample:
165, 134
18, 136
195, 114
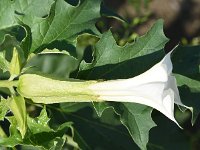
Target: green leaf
92, 132
4, 64
3, 108
132, 117
41, 135
18, 108
39, 124
72, 107
7, 14
7, 47
190, 94
187, 71
27, 41
186, 62
47, 25
168, 136
17, 11
142, 54
13, 10
2, 34
15, 137
77, 19
83, 43
57, 145
51, 62
138, 56
124, 58
100, 107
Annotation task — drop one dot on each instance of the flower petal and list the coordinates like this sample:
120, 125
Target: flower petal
155, 88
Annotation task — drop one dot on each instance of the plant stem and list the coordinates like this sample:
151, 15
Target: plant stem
8, 84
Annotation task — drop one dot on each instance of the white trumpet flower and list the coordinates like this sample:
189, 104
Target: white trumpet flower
155, 88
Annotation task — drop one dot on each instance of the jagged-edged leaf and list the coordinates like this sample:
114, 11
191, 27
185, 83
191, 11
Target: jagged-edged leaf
127, 61
15, 137
11, 10
133, 117
92, 132
40, 123
47, 23
39, 134
14, 13
113, 61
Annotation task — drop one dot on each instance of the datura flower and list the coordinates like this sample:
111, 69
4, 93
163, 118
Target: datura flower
155, 88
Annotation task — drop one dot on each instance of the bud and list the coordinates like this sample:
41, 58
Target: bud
15, 65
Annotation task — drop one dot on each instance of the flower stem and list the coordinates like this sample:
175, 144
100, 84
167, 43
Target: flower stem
8, 84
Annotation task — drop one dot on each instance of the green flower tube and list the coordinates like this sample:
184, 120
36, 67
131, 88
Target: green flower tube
46, 90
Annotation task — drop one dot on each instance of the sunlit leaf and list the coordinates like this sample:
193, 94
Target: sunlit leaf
47, 24
18, 108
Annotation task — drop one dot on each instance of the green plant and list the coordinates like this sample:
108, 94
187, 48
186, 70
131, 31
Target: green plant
51, 55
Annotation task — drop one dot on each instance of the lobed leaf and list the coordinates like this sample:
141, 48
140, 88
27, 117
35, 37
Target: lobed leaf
39, 134
133, 117
127, 61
